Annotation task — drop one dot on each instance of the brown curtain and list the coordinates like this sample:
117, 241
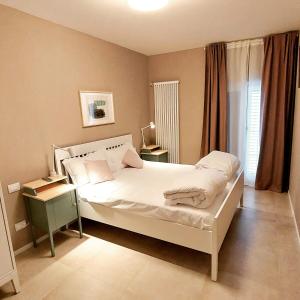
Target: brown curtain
214, 136
277, 111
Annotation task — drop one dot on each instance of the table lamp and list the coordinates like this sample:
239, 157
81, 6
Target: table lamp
152, 126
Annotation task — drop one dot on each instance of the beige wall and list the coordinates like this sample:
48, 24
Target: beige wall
42, 68
189, 67
295, 164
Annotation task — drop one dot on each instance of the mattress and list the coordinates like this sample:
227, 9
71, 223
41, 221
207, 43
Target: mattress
140, 191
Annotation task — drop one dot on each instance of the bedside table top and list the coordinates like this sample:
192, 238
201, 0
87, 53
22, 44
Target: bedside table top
150, 148
156, 152
41, 183
55, 190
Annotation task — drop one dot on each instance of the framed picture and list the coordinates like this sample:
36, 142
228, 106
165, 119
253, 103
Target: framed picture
97, 108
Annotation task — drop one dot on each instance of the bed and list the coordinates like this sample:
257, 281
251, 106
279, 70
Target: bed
140, 208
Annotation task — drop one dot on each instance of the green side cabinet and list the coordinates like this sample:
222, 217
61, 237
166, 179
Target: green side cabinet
53, 209
157, 155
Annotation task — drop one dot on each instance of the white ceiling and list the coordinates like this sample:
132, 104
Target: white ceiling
183, 24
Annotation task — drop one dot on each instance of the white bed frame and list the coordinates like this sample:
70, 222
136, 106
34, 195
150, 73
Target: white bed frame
208, 241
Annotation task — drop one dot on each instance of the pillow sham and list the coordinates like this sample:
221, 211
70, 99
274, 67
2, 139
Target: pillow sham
221, 161
132, 159
98, 171
76, 169
115, 156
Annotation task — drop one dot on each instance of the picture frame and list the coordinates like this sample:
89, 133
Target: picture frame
97, 108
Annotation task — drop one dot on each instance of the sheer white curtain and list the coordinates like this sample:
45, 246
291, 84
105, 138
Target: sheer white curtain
244, 68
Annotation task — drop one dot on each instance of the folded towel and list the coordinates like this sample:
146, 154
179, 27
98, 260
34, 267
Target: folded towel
183, 193
197, 188
195, 201
221, 161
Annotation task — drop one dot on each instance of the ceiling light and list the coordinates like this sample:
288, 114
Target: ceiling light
147, 5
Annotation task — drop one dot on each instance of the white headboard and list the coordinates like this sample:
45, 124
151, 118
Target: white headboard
84, 149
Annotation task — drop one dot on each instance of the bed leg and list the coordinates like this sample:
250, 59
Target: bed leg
242, 201
214, 266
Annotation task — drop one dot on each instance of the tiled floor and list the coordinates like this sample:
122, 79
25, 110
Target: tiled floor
259, 259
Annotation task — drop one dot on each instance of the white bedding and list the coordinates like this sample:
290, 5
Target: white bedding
140, 191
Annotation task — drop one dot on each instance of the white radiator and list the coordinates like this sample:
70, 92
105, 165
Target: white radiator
167, 117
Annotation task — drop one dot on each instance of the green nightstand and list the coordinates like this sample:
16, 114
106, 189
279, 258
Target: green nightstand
157, 155
51, 205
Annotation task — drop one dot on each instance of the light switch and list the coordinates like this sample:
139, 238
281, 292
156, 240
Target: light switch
14, 187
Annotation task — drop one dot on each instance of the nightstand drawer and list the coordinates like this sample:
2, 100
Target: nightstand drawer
56, 212
37, 212
63, 209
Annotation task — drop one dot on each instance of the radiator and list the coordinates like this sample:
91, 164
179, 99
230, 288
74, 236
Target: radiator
167, 117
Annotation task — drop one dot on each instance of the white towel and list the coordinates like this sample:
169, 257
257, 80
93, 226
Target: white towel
195, 201
197, 188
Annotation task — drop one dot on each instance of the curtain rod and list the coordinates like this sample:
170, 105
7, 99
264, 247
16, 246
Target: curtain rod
254, 38
242, 40
261, 37
236, 41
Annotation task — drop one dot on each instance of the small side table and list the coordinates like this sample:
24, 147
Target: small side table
157, 155
51, 205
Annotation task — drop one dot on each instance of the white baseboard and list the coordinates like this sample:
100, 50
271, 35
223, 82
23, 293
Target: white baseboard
294, 217
30, 245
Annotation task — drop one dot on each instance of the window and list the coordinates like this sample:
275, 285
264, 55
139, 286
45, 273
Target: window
244, 70
252, 131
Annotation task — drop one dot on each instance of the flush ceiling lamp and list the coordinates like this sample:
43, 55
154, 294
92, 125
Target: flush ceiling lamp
147, 5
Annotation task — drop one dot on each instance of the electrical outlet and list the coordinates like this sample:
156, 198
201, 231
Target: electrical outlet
14, 187
21, 225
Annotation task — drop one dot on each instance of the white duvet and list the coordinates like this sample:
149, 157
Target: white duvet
140, 191
221, 161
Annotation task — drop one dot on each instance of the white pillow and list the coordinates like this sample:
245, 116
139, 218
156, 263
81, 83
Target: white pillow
97, 155
221, 161
76, 169
115, 156
98, 171
132, 159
